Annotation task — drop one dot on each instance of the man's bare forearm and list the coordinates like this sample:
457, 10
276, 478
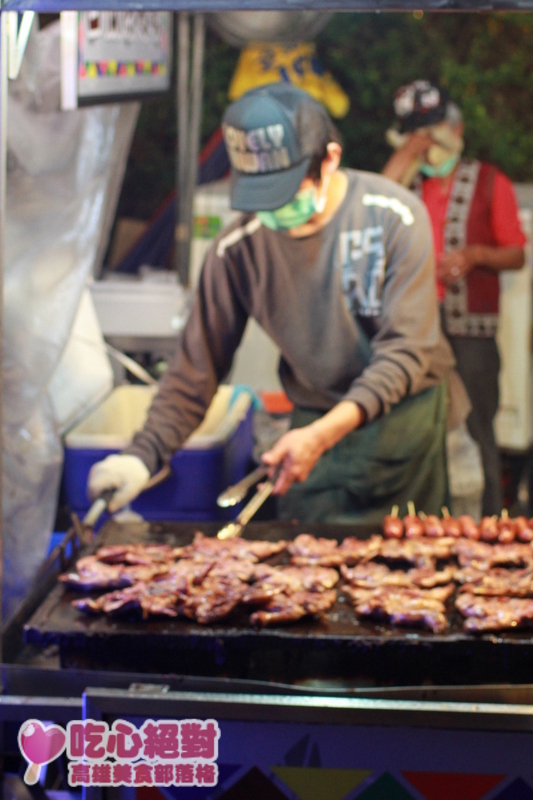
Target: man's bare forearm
346, 416
497, 258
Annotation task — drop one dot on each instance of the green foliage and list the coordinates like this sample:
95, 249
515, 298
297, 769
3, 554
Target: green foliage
485, 61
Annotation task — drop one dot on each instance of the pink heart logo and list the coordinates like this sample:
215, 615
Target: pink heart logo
40, 745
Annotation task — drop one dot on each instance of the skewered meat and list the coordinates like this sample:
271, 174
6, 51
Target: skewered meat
413, 526
451, 527
488, 529
392, 527
469, 527
433, 526
494, 613
404, 607
524, 529
506, 529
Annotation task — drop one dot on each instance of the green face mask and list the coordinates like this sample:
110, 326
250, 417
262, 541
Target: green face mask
294, 213
440, 171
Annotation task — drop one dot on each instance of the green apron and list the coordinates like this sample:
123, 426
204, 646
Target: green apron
396, 458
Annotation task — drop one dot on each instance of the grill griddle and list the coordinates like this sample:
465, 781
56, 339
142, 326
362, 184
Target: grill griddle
336, 646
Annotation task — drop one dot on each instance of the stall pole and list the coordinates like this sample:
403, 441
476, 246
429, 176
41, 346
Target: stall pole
194, 122
3, 162
182, 127
189, 113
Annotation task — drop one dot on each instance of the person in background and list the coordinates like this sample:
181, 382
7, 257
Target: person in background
477, 234
337, 267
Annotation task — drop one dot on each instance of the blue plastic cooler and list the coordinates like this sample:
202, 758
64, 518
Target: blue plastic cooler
217, 455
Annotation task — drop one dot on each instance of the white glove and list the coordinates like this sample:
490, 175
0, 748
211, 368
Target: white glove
127, 474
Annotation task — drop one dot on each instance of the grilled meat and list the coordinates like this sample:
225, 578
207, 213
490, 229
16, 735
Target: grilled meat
213, 547
284, 608
214, 599
152, 598
494, 613
404, 607
289, 580
418, 552
142, 554
484, 556
308, 550
499, 583
373, 575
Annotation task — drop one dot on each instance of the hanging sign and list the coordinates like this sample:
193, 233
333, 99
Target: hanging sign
114, 55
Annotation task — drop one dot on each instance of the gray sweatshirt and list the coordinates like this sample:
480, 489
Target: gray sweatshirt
353, 309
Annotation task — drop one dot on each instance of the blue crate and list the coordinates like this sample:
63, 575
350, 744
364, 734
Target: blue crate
189, 494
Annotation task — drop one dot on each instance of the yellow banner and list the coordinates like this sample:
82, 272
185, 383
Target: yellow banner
264, 62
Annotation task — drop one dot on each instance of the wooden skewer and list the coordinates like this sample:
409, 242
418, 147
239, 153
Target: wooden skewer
422, 515
394, 511
445, 512
411, 508
505, 513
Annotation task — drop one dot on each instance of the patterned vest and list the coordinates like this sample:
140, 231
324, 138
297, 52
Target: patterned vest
471, 303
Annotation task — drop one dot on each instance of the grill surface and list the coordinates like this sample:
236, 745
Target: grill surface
337, 646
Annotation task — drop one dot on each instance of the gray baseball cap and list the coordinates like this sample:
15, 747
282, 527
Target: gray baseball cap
271, 134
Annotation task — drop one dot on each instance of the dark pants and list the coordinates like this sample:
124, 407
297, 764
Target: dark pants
478, 364
394, 459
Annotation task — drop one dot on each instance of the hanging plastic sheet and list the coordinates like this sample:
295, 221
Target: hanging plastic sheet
64, 172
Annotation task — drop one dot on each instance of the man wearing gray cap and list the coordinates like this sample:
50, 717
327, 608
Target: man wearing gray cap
337, 267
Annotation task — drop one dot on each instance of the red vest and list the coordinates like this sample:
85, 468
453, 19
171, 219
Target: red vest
471, 304
482, 285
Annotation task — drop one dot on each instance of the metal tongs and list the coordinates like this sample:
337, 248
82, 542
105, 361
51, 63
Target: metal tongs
235, 493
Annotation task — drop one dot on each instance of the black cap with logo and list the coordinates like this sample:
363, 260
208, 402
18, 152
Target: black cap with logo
271, 134
419, 104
